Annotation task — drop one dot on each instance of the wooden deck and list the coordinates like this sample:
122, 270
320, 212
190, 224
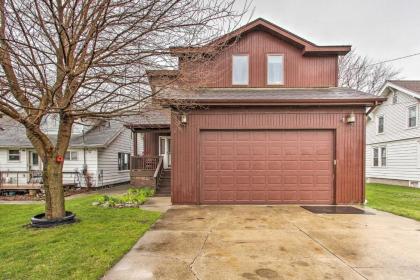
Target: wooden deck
20, 187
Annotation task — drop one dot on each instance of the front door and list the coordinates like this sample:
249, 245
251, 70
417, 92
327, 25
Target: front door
34, 162
165, 150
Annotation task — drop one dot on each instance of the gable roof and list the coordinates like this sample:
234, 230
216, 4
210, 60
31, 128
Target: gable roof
273, 96
308, 48
410, 87
14, 135
413, 85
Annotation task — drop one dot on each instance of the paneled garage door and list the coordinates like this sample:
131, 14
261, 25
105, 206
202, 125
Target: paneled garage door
264, 167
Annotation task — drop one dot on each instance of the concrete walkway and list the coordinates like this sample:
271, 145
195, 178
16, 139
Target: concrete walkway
273, 242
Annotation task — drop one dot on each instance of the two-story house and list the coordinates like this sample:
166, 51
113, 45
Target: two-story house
269, 126
393, 136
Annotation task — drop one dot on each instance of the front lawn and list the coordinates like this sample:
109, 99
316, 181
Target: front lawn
85, 250
403, 201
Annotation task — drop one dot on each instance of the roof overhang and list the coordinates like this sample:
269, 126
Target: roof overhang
389, 84
149, 127
308, 48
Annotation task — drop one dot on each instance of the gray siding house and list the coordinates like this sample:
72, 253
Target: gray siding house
103, 148
393, 136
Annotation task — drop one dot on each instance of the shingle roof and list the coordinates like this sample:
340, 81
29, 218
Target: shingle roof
14, 135
278, 95
412, 85
156, 118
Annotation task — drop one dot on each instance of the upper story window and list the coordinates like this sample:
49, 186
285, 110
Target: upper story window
240, 69
14, 155
381, 121
412, 116
275, 69
395, 98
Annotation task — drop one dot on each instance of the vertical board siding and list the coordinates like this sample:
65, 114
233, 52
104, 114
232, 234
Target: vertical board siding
299, 70
150, 143
349, 183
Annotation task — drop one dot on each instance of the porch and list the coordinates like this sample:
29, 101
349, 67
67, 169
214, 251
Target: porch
12, 180
150, 164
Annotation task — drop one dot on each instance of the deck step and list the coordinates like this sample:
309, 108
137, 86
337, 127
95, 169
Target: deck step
164, 184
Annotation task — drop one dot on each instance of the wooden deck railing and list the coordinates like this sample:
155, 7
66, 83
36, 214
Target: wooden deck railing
144, 162
158, 171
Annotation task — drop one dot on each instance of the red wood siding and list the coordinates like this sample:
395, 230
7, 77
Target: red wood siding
349, 140
299, 70
151, 143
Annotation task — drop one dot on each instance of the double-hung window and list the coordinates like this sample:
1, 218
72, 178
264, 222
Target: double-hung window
412, 116
383, 156
381, 123
375, 156
275, 69
14, 155
240, 69
379, 156
123, 161
70, 155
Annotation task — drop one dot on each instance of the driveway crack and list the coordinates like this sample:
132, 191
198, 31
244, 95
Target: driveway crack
200, 251
329, 251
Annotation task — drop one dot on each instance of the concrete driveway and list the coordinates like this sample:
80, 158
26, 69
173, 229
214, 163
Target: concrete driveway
273, 242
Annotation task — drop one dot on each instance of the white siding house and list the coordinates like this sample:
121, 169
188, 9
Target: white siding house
96, 149
393, 136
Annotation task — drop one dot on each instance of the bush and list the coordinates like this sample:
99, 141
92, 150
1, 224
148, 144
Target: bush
133, 198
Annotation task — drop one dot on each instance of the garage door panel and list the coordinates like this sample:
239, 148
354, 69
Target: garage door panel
266, 167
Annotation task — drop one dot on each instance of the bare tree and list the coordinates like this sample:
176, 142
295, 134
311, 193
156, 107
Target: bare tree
77, 59
362, 73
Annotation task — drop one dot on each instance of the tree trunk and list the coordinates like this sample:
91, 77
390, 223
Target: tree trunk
54, 191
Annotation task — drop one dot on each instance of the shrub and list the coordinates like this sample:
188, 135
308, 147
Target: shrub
133, 198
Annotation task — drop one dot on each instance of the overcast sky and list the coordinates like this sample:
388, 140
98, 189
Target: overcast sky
380, 29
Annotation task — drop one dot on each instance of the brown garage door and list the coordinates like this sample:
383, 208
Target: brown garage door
263, 167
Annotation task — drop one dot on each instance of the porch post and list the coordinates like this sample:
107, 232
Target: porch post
135, 143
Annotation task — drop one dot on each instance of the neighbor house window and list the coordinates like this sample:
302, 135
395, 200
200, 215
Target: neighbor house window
70, 155
381, 124
383, 156
240, 69
375, 157
412, 116
275, 69
395, 99
123, 161
14, 155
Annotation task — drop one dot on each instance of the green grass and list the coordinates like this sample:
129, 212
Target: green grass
402, 201
85, 250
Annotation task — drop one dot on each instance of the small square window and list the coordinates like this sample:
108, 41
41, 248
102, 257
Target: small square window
14, 155
381, 121
275, 69
240, 71
123, 161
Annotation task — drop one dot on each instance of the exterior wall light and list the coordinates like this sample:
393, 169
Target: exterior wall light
351, 119
183, 118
